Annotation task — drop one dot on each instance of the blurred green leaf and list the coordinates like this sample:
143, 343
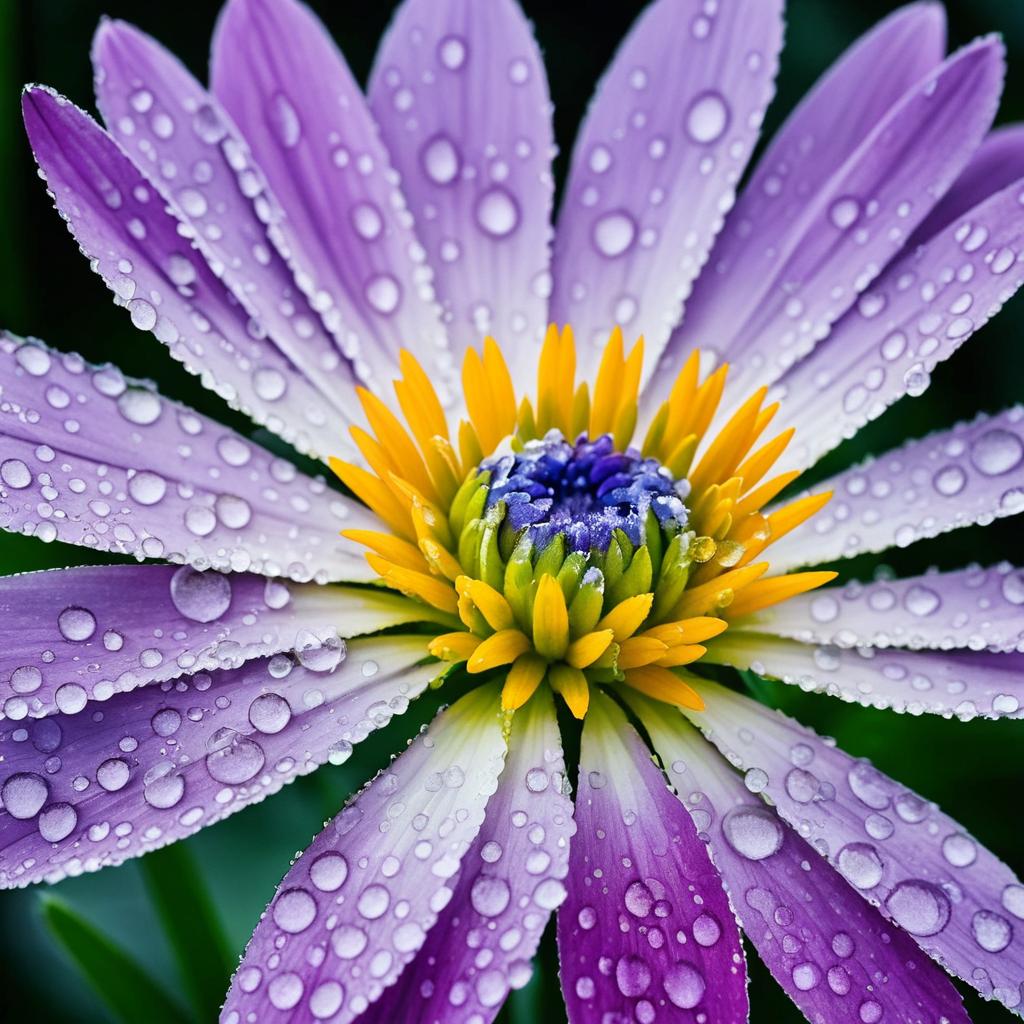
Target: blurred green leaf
191, 924
121, 983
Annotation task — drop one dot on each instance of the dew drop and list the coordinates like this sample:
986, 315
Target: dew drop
614, 233
497, 213
707, 118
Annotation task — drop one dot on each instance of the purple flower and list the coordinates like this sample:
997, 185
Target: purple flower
299, 247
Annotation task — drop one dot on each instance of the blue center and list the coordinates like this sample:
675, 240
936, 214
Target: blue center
583, 491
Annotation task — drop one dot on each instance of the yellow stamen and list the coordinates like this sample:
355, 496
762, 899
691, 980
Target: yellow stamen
523, 679
627, 616
640, 650
585, 651
453, 646
764, 593
500, 649
663, 685
550, 619
571, 683
493, 606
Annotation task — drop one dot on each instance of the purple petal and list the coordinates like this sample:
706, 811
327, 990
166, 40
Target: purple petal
646, 929
656, 164
357, 905
511, 880
961, 683
135, 245
72, 636
344, 225
974, 607
997, 163
463, 106
842, 222
94, 458
157, 764
834, 956
971, 473
956, 899
916, 314
196, 160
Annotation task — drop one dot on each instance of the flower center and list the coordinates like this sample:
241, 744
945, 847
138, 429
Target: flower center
602, 562
583, 491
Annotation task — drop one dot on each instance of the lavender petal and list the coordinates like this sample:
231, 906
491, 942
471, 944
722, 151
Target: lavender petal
357, 905
463, 107
646, 929
655, 166
151, 766
94, 458
345, 226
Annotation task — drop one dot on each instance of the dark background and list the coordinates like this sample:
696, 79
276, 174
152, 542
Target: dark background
46, 289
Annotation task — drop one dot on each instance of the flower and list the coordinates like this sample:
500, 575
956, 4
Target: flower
585, 540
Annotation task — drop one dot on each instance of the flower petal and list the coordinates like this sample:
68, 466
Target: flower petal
961, 683
196, 160
835, 956
915, 315
807, 261
94, 458
510, 882
997, 163
956, 899
73, 636
463, 107
646, 925
656, 163
158, 763
344, 226
971, 473
135, 245
357, 905
976, 608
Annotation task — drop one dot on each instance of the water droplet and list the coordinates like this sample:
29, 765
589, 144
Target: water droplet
614, 233
236, 758
147, 488
200, 596
632, 975
708, 117
497, 213
328, 872
844, 211
76, 624
57, 822
753, 832
489, 895
15, 473
684, 985
269, 713
706, 930
367, 221
451, 51
373, 902
23, 794
294, 911
860, 865
113, 774
919, 907
383, 293
285, 991
285, 120
139, 406
639, 899
440, 160
991, 931
997, 451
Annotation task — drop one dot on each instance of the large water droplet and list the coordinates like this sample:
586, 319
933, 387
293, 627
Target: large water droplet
23, 794
753, 832
684, 985
200, 596
269, 713
440, 160
632, 975
489, 895
860, 865
497, 212
614, 233
708, 117
919, 907
294, 911
236, 758
997, 451
383, 293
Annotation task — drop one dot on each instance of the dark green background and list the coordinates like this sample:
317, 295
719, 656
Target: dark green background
46, 289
